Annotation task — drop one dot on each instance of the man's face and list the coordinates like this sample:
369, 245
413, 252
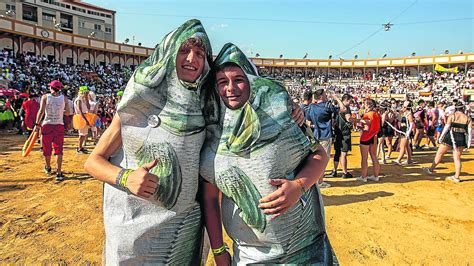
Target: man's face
347, 102
233, 87
190, 62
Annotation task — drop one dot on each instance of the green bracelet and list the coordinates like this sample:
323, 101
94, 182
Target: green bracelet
220, 250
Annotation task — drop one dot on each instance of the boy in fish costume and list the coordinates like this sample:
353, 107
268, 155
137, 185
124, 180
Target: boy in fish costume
255, 150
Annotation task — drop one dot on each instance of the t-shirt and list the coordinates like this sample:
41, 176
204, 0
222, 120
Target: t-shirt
343, 126
320, 115
304, 108
31, 108
374, 126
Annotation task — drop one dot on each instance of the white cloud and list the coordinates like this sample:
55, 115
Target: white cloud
219, 26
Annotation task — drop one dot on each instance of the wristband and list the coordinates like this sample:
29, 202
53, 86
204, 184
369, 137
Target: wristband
119, 176
122, 177
301, 186
220, 250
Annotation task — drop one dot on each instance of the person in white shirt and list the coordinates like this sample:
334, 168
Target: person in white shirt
82, 107
53, 106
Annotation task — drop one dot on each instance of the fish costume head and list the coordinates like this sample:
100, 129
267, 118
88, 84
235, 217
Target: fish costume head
262, 117
155, 89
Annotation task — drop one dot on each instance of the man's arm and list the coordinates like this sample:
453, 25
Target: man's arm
40, 114
79, 106
342, 107
66, 106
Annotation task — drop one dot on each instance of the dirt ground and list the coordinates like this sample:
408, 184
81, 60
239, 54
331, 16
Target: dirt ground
406, 218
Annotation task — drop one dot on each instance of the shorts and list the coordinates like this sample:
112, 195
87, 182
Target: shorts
53, 137
430, 132
326, 144
439, 128
84, 131
419, 125
388, 131
343, 143
372, 140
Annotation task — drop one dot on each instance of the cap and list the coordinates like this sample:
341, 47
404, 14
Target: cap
55, 84
120, 93
83, 88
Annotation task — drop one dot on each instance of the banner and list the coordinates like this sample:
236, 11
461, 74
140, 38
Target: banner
468, 92
440, 68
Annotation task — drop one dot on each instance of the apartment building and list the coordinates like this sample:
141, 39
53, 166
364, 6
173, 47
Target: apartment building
75, 17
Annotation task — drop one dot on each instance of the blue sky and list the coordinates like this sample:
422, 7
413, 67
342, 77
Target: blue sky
319, 28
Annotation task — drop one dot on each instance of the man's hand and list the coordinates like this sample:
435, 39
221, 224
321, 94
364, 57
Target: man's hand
282, 199
141, 183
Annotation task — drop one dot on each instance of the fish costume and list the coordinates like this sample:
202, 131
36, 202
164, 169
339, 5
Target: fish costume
161, 118
253, 143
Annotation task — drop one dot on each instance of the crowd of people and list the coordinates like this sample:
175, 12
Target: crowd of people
390, 124
28, 77
438, 85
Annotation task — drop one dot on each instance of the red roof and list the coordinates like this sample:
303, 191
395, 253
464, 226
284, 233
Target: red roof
83, 4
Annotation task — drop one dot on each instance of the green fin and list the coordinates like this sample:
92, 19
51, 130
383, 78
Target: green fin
167, 170
235, 184
246, 132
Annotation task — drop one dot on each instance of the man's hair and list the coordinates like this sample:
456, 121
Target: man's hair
346, 97
307, 95
421, 101
431, 104
317, 93
194, 42
459, 106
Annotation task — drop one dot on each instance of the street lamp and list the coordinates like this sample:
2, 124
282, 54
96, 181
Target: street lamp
413, 54
330, 57
384, 55
126, 41
356, 56
92, 35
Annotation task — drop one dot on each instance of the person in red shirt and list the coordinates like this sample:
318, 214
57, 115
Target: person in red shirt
31, 108
370, 124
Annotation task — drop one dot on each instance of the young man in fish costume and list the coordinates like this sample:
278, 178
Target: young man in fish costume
266, 167
149, 157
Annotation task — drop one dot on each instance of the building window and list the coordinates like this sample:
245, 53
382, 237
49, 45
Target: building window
48, 17
108, 30
97, 27
30, 13
11, 7
82, 24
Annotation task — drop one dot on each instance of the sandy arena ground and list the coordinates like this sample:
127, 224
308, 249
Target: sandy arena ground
407, 218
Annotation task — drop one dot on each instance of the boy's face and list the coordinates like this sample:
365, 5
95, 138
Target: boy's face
233, 87
190, 62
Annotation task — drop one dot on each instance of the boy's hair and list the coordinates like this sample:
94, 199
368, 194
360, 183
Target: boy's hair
193, 42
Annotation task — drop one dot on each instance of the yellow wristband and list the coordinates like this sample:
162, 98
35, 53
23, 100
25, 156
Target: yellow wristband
220, 250
123, 178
